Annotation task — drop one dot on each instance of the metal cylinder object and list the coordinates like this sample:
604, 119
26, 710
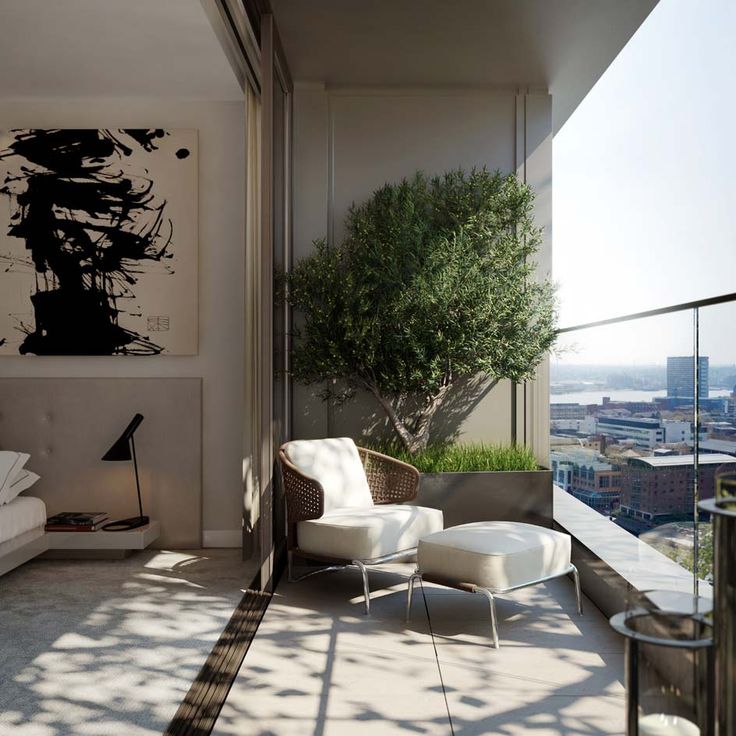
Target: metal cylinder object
669, 664
723, 511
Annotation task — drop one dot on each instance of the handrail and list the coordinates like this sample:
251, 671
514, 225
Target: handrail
694, 307
710, 301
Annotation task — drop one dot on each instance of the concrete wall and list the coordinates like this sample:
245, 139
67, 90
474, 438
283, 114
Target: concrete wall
348, 142
221, 224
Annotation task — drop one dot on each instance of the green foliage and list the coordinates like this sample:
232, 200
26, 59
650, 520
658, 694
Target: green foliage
686, 557
683, 555
433, 282
464, 458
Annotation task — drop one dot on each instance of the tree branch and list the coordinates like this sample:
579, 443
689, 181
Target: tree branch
399, 427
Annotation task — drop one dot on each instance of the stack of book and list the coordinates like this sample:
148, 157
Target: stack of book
76, 521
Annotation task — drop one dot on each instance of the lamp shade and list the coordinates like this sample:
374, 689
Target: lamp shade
120, 449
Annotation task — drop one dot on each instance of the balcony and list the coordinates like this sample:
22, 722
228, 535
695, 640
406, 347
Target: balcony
319, 666
555, 672
316, 664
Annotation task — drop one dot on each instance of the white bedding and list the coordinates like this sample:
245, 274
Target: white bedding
21, 515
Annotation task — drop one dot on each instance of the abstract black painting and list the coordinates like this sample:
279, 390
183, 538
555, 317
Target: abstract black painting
98, 242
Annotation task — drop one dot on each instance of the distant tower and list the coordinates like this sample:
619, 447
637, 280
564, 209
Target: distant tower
681, 377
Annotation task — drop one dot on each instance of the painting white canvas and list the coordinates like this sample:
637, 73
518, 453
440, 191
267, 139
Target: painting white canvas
98, 242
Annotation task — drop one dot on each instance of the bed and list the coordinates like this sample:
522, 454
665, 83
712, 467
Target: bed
22, 535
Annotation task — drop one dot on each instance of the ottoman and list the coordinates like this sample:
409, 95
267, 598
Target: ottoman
490, 557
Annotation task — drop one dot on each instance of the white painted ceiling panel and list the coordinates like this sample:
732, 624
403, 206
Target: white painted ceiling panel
559, 45
111, 48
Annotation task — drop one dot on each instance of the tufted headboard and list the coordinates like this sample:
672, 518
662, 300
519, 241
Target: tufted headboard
67, 424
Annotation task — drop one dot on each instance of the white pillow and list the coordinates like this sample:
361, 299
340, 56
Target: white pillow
11, 463
23, 480
336, 465
13, 478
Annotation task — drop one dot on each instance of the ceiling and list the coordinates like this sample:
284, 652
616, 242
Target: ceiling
111, 48
167, 48
560, 45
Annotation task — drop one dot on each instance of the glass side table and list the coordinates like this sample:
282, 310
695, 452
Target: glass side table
669, 664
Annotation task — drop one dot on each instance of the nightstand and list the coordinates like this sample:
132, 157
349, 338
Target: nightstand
101, 543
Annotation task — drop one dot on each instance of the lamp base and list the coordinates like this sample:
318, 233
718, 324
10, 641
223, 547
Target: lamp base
125, 525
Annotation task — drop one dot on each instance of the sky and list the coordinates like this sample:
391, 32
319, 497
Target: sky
644, 195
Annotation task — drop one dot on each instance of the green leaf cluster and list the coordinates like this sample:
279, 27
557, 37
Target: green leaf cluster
434, 281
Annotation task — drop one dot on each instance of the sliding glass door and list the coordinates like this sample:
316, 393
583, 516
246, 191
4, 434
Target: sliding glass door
275, 255
281, 261
250, 40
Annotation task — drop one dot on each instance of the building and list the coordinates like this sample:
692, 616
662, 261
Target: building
681, 377
644, 432
731, 404
581, 428
632, 407
660, 489
588, 477
717, 430
711, 447
718, 404
566, 411
597, 485
677, 432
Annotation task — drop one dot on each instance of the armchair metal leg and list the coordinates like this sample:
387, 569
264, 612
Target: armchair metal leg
410, 593
492, 604
366, 590
298, 578
578, 592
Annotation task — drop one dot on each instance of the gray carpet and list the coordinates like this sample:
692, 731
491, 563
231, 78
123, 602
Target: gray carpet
107, 647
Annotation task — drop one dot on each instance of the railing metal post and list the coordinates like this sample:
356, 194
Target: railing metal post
724, 601
696, 451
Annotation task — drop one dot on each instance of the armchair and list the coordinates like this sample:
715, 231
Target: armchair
345, 506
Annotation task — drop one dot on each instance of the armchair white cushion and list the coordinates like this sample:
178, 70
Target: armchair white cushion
367, 534
335, 464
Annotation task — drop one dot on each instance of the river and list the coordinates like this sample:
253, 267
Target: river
596, 397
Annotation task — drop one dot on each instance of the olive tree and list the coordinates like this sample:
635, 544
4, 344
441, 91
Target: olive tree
433, 282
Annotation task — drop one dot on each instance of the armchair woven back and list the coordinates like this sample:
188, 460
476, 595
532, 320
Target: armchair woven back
390, 481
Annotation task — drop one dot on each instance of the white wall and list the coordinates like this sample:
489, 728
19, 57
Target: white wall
221, 275
347, 143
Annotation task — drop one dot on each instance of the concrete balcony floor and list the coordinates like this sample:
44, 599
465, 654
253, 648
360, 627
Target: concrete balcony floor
319, 666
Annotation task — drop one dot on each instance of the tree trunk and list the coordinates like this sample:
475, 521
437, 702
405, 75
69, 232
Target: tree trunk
424, 420
416, 438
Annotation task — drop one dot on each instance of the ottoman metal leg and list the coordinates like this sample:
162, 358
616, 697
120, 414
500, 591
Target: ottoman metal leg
410, 593
366, 589
492, 604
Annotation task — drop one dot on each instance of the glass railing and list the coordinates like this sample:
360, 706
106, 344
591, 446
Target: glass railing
643, 421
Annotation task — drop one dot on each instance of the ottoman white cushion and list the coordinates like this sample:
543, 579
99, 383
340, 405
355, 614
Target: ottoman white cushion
364, 534
494, 554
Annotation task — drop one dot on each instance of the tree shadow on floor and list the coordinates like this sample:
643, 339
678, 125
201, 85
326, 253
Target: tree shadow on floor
318, 666
109, 647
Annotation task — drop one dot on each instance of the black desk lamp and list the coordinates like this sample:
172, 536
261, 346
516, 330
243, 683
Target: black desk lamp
124, 449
